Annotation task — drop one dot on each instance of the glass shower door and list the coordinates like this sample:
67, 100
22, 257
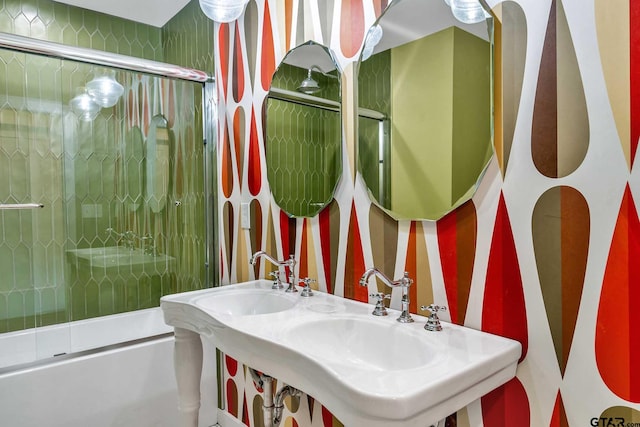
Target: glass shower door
123, 195
32, 273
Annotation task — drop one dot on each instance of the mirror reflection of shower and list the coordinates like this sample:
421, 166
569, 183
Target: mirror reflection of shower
309, 85
103, 91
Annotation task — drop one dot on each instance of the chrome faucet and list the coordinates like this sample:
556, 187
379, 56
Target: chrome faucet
403, 283
291, 262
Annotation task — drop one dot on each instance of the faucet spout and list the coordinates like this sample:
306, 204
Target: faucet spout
291, 263
403, 283
254, 258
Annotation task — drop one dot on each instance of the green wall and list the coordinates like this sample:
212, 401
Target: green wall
303, 145
439, 133
74, 26
187, 39
34, 150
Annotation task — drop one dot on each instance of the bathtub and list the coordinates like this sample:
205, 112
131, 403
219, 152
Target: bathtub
109, 371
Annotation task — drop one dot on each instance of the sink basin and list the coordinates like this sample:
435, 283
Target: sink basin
121, 258
366, 370
378, 346
244, 302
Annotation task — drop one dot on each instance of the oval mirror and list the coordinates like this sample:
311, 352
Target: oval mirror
303, 130
425, 122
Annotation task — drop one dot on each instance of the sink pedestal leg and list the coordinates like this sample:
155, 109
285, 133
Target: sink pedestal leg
187, 362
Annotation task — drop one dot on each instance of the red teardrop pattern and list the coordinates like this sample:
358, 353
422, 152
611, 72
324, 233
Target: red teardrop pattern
245, 411
303, 270
617, 341
351, 27
254, 172
226, 168
559, 417
268, 60
328, 420
238, 139
223, 55
457, 235
634, 46
287, 236
231, 364
504, 312
355, 262
324, 219
506, 406
238, 66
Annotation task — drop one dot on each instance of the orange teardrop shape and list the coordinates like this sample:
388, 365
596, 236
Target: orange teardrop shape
618, 327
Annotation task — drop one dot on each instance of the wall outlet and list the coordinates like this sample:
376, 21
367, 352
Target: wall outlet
245, 216
91, 211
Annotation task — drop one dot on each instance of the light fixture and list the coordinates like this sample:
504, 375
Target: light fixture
468, 11
309, 85
374, 35
105, 90
83, 105
223, 10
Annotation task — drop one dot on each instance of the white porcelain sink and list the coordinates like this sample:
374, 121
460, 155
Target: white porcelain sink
364, 342
367, 370
245, 302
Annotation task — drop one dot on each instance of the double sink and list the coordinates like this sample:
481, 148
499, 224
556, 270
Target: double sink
367, 370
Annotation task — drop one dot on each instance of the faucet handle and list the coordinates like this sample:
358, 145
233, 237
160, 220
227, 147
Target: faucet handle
306, 291
433, 322
380, 309
277, 283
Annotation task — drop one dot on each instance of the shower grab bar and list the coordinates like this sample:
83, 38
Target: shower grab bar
20, 206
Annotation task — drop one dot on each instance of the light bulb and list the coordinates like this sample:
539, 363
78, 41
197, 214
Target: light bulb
468, 11
105, 90
374, 35
84, 106
223, 10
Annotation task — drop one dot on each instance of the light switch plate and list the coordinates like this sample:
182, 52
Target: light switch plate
245, 216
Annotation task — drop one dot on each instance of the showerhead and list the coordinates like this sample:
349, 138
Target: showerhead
309, 85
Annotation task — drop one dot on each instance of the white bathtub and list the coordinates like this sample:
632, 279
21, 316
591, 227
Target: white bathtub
130, 385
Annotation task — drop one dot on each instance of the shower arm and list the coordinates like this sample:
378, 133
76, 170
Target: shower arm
319, 70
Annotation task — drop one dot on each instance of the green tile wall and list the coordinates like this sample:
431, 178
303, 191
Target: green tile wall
38, 161
187, 39
374, 93
74, 26
303, 146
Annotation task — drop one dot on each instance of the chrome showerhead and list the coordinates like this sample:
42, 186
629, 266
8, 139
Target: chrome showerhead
309, 85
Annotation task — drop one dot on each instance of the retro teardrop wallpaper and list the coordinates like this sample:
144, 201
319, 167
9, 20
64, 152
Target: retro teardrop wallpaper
547, 251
